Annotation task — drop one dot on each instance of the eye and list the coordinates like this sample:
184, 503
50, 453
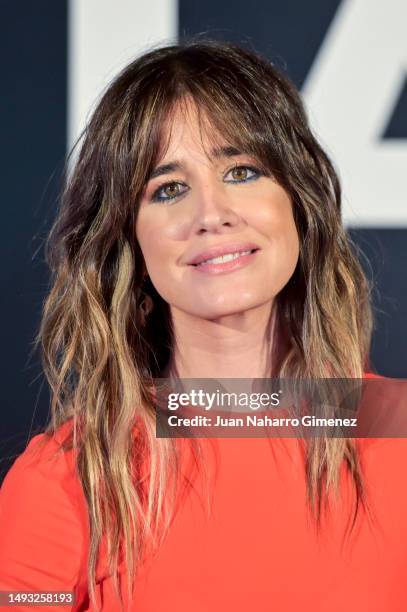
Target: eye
168, 192
242, 174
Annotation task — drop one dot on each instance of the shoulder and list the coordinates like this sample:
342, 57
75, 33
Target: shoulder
43, 521
383, 415
43, 461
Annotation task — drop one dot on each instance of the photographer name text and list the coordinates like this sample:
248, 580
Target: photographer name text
257, 421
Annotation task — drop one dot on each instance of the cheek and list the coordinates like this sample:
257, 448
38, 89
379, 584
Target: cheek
150, 234
287, 230
273, 217
159, 251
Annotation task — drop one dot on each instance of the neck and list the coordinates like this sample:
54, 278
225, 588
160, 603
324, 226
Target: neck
234, 346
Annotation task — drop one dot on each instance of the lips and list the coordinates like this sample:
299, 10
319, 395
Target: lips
218, 251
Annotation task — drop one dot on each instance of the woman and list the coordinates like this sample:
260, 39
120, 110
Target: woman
196, 152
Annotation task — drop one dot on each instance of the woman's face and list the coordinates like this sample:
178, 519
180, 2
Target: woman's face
203, 197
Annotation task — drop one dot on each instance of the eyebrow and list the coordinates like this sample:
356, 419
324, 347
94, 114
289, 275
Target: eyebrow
218, 152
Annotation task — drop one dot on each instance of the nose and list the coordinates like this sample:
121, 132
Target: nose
213, 210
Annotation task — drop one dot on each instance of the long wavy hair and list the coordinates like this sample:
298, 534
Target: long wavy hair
99, 349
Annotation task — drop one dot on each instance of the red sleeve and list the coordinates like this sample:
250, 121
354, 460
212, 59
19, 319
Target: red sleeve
43, 538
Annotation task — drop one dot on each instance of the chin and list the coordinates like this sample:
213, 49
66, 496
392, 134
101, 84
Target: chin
211, 313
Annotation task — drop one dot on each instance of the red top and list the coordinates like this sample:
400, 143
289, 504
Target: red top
258, 551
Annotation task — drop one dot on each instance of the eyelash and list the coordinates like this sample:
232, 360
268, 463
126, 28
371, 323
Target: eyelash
157, 198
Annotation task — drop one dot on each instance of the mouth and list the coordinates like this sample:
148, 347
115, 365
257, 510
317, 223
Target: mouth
226, 262
225, 258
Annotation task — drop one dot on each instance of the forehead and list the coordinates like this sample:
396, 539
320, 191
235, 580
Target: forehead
188, 127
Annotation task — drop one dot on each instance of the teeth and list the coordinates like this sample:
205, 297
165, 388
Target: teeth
225, 258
